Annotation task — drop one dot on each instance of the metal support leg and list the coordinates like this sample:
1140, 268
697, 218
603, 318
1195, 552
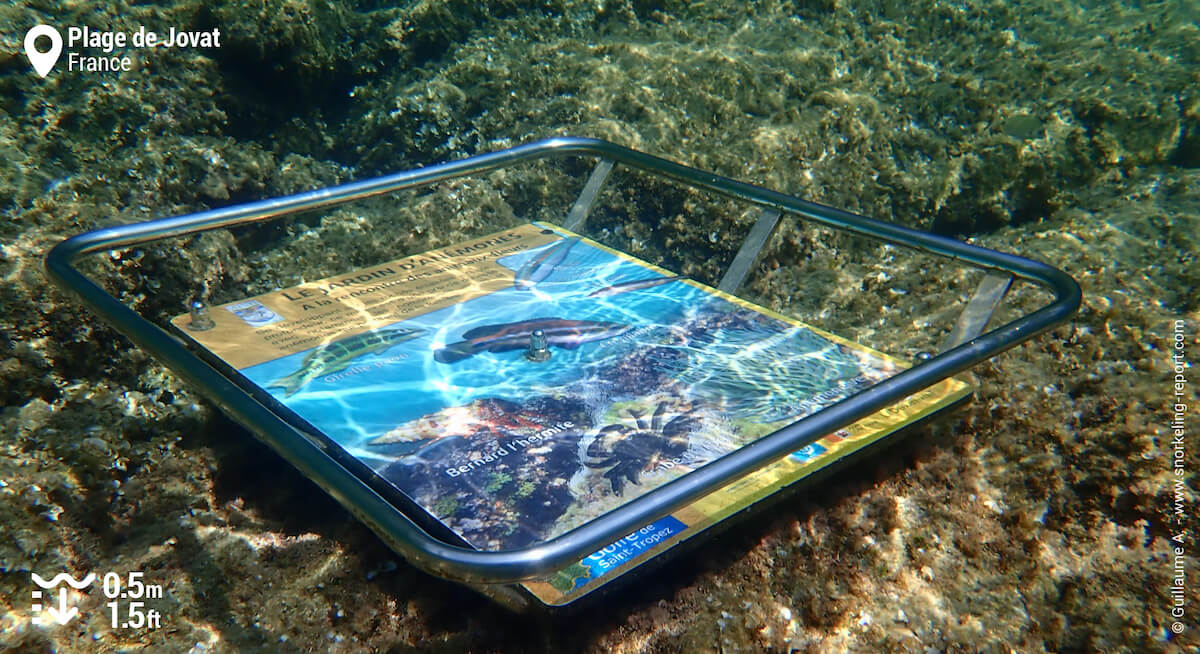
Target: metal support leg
972, 321
583, 203
746, 257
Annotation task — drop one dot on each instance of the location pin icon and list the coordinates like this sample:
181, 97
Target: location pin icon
43, 62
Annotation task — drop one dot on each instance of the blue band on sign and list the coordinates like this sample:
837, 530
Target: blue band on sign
807, 453
628, 548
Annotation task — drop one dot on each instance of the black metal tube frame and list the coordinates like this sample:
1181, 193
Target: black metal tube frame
538, 560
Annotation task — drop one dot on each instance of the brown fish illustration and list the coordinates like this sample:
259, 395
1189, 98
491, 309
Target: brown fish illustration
506, 337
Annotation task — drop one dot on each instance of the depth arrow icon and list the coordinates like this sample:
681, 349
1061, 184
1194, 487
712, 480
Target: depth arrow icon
63, 614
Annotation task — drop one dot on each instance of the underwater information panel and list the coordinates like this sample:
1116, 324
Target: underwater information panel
422, 370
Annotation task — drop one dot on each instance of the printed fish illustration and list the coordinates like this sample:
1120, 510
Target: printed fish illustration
568, 334
338, 355
636, 285
540, 267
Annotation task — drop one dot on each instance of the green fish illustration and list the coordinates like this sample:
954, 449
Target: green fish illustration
636, 285
338, 355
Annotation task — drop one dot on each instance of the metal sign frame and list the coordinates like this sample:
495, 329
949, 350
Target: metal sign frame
966, 349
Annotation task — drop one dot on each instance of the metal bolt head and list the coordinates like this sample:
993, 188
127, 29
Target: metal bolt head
201, 318
539, 346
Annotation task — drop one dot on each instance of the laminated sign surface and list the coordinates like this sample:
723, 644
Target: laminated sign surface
421, 371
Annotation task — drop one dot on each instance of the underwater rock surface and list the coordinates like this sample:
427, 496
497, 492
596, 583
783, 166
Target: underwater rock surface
1037, 517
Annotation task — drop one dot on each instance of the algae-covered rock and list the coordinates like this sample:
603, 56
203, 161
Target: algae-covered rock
1037, 518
